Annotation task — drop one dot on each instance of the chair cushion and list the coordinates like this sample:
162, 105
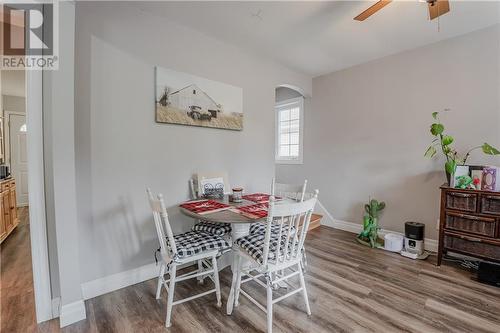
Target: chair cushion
194, 242
260, 227
253, 244
215, 228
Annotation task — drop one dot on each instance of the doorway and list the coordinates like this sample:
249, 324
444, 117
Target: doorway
16, 153
25, 289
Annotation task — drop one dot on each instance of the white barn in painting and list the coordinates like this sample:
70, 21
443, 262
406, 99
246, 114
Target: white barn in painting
192, 95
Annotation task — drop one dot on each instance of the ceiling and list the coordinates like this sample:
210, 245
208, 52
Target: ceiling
12, 83
316, 38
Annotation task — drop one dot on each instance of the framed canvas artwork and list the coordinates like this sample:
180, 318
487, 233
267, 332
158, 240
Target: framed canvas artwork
187, 99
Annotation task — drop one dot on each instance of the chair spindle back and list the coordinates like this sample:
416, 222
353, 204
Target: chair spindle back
290, 191
162, 224
290, 241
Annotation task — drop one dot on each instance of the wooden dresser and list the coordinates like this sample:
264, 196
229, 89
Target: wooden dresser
469, 223
8, 208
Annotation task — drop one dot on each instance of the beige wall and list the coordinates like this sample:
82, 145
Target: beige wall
14, 103
368, 128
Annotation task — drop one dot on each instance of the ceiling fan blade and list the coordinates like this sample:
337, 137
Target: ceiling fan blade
372, 10
438, 8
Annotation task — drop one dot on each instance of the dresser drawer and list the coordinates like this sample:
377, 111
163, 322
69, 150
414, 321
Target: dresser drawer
472, 246
485, 226
5, 186
466, 202
490, 204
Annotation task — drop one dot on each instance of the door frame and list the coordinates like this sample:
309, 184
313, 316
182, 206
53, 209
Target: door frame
36, 196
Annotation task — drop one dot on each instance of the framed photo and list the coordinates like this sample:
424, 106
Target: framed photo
187, 99
476, 173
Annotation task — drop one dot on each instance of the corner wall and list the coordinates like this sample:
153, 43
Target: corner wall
120, 150
368, 128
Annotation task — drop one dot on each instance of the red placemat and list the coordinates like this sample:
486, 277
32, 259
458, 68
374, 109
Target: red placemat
258, 197
256, 211
204, 206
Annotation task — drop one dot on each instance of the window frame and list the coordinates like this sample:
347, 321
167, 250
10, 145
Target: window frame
279, 105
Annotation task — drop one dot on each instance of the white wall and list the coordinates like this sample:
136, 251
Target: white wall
13, 83
368, 128
284, 93
120, 149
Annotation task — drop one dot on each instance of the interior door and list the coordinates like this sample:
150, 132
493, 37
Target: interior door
18, 156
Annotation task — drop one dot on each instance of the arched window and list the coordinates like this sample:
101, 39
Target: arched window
289, 126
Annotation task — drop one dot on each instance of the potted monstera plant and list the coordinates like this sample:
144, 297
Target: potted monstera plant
443, 143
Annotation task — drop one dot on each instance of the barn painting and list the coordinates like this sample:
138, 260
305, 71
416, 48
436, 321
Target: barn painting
186, 99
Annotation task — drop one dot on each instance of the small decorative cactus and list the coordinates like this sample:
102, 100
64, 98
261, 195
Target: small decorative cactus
369, 235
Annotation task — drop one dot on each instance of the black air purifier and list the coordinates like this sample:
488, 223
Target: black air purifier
414, 230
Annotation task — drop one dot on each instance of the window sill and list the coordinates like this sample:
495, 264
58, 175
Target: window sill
297, 161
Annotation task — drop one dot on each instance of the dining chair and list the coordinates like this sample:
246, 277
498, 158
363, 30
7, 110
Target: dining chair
271, 253
290, 191
219, 229
180, 249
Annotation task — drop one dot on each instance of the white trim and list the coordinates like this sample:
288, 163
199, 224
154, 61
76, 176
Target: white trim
124, 279
289, 160
71, 313
430, 244
36, 197
56, 307
120, 280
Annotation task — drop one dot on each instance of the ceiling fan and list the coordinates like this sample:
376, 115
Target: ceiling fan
436, 8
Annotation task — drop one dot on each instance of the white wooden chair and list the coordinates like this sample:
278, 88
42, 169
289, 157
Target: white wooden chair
184, 248
219, 229
270, 253
290, 191
295, 192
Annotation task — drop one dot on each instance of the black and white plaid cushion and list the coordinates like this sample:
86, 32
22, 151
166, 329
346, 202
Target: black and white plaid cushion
253, 244
260, 227
192, 242
219, 229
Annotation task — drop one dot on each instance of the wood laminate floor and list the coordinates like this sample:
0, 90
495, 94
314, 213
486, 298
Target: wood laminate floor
17, 303
351, 289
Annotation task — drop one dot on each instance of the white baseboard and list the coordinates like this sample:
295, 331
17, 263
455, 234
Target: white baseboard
430, 244
56, 307
71, 313
120, 280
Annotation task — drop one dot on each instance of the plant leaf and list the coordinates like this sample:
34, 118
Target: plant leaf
450, 167
487, 149
434, 115
447, 140
437, 129
431, 152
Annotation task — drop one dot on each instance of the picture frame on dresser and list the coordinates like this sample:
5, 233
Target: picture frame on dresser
469, 223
